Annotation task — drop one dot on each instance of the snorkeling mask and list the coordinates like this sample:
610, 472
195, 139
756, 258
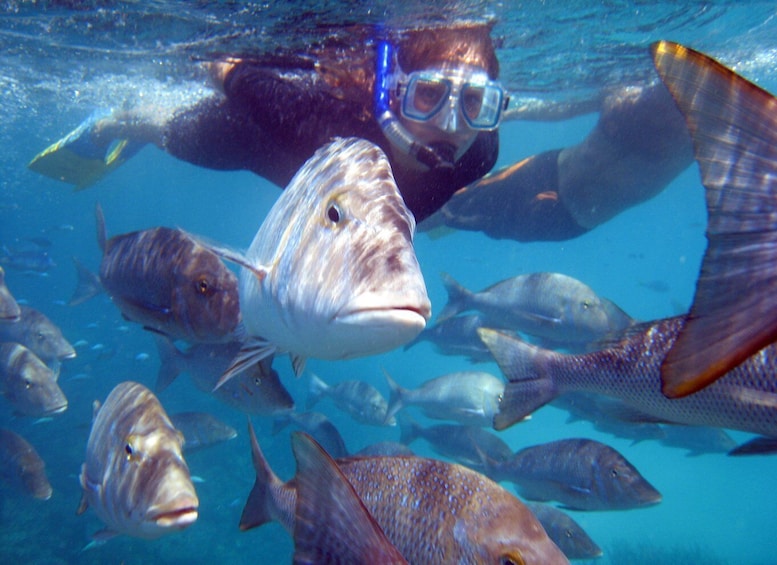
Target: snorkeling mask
435, 95
389, 123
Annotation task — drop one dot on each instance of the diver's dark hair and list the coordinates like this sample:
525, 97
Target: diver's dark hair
469, 44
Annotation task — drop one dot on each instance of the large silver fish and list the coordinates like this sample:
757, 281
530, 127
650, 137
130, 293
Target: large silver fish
630, 370
39, 334
333, 273
201, 429
22, 467
28, 383
565, 532
135, 477
9, 309
554, 307
431, 511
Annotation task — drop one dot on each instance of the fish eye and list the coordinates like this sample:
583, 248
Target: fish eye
203, 286
40, 336
613, 472
586, 304
511, 559
128, 450
568, 533
333, 213
27, 384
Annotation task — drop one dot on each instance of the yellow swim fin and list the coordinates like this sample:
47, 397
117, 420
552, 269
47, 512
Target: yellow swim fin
77, 159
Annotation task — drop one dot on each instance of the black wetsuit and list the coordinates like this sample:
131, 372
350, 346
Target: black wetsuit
274, 118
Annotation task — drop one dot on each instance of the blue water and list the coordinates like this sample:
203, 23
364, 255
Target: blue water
57, 64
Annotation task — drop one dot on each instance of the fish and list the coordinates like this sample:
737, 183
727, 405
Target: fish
39, 334
333, 272
317, 426
553, 307
359, 399
467, 445
22, 467
581, 474
733, 126
431, 511
135, 477
168, 281
565, 532
257, 391
610, 416
201, 429
698, 440
28, 383
9, 309
630, 370
456, 336
30, 259
468, 397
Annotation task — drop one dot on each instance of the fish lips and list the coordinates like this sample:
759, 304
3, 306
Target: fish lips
385, 309
183, 514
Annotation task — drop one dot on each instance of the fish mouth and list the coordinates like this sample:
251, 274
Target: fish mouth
56, 410
391, 307
10, 319
179, 518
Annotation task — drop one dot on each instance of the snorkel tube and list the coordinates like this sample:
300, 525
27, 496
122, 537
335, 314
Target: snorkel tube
392, 129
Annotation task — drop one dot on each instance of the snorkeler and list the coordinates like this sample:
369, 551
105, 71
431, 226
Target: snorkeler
430, 98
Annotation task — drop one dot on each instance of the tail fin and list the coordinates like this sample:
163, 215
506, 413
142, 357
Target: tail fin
458, 298
316, 389
169, 366
409, 430
524, 365
88, 285
396, 395
330, 519
258, 508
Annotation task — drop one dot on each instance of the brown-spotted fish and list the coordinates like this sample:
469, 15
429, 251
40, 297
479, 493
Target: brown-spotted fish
582, 474
169, 282
40, 335
630, 370
28, 383
432, 512
9, 309
333, 273
135, 477
256, 391
22, 467
733, 125
556, 308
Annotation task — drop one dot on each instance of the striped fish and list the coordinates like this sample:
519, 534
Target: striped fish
28, 384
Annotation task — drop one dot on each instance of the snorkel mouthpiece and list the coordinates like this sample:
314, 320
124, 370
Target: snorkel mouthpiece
389, 124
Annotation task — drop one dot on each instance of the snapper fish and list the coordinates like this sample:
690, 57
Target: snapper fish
555, 308
9, 309
332, 273
135, 477
38, 333
22, 467
28, 383
630, 370
168, 281
429, 511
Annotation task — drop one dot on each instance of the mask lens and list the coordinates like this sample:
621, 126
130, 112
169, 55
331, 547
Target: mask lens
482, 105
425, 97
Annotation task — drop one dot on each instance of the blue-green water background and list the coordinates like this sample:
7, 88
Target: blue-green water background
58, 63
